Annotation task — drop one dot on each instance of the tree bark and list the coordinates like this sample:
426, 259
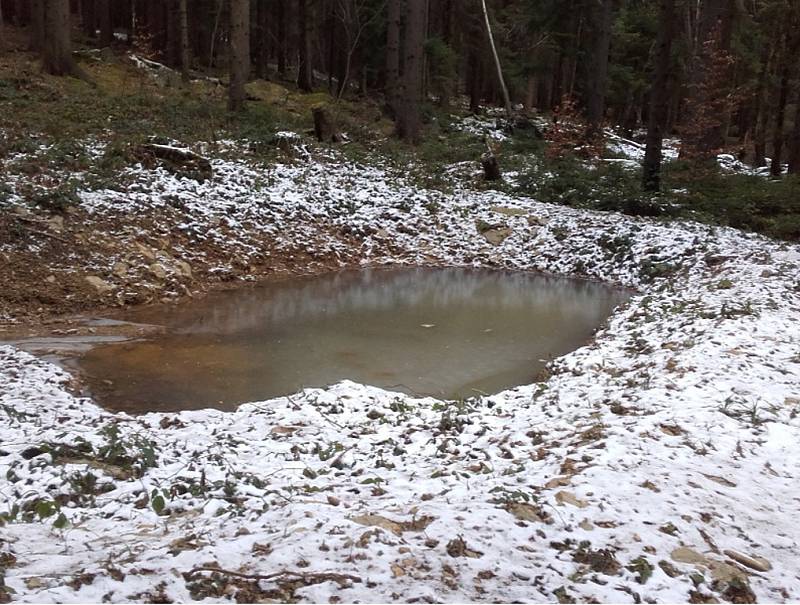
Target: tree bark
598, 40
659, 99
305, 72
183, 20
501, 80
794, 149
409, 122
394, 20
240, 53
56, 47
281, 9
776, 167
37, 24
103, 8
760, 136
88, 18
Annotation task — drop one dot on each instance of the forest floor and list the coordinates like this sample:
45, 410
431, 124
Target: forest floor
658, 463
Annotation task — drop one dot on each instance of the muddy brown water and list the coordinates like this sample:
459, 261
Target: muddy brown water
450, 333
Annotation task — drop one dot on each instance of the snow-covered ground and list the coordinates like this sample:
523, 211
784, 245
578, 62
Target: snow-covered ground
659, 463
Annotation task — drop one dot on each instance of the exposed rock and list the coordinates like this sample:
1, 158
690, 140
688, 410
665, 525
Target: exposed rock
508, 211
687, 555
183, 268
120, 269
145, 251
101, 285
496, 236
158, 270
586, 525
56, 223
558, 482
528, 512
563, 497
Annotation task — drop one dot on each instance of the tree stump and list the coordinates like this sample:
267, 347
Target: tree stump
491, 167
324, 129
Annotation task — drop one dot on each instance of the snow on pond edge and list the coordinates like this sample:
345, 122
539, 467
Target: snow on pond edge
647, 454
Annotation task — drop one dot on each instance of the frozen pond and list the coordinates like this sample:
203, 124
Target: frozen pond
450, 333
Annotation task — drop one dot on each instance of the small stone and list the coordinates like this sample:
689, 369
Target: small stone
496, 236
101, 285
120, 269
158, 270
563, 497
687, 555
333, 501
56, 223
184, 268
145, 251
50, 279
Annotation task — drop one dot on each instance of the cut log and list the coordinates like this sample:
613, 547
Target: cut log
324, 129
178, 160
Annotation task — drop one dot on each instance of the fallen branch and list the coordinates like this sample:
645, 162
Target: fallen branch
310, 578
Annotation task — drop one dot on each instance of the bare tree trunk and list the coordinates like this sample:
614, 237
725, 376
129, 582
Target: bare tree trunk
281, 8
601, 13
506, 97
37, 24
240, 53
760, 136
103, 8
776, 167
305, 72
394, 20
57, 50
409, 122
659, 99
214, 31
183, 20
794, 148
88, 18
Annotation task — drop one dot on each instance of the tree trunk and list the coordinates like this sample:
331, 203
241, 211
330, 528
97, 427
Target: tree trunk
760, 136
598, 42
409, 122
281, 8
103, 8
57, 50
659, 99
305, 72
88, 18
393, 23
183, 21
794, 149
240, 53
37, 24
501, 80
775, 168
